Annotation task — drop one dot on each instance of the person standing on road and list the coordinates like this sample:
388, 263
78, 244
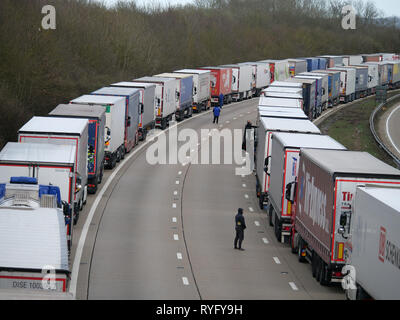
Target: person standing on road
221, 100
217, 112
240, 225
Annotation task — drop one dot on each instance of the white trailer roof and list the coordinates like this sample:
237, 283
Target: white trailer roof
284, 95
386, 195
174, 75
153, 79
32, 239
116, 91
279, 102
341, 68
37, 153
55, 125
295, 90
302, 80
282, 113
301, 140
101, 100
350, 162
284, 124
78, 110
285, 84
193, 71
133, 84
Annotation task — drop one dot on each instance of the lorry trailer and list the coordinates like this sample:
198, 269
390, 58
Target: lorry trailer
309, 95
147, 118
372, 251
284, 168
115, 120
318, 92
242, 81
333, 86
221, 84
324, 79
297, 66
322, 220
96, 116
347, 84
262, 76
279, 69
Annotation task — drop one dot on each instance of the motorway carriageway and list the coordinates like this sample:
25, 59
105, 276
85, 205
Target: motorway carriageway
166, 232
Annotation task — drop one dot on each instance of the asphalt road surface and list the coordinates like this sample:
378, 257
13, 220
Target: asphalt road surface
393, 129
166, 232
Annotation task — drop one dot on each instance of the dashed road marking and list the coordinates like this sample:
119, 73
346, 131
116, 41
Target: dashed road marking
244, 185
174, 205
185, 281
265, 240
257, 223
246, 196
174, 220
277, 261
177, 182
293, 286
176, 237
180, 172
175, 193
179, 256
251, 209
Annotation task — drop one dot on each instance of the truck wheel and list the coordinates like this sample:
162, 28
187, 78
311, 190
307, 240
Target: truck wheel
299, 250
163, 124
113, 161
123, 151
119, 155
318, 269
270, 213
324, 278
93, 190
100, 179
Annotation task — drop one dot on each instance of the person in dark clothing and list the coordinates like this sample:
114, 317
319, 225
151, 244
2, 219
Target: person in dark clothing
221, 100
249, 125
217, 112
240, 225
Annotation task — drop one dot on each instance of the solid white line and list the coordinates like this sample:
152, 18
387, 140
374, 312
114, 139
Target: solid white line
256, 223
387, 129
265, 240
179, 256
277, 261
85, 229
294, 287
174, 220
176, 237
185, 281
227, 121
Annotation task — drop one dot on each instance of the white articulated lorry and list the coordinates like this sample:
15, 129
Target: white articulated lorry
322, 221
373, 265
266, 128
63, 131
347, 84
262, 76
201, 88
33, 239
114, 135
284, 168
242, 81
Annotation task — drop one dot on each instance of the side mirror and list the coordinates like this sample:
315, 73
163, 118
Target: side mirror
290, 191
108, 131
343, 220
78, 184
66, 208
266, 165
128, 123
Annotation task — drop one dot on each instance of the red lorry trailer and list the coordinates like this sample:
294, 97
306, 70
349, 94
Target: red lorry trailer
221, 83
321, 220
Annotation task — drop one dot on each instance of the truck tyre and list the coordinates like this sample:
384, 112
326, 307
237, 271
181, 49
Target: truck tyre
119, 155
324, 279
113, 161
277, 228
270, 213
300, 246
101, 175
163, 124
93, 190
318, 269
123, 151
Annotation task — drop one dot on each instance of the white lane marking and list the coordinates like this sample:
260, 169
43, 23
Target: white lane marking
179, 256
176, 237
227, 121
246, 196
185, 281
177, 182
174, 220
241, 115
180, 172
244, 185
277, 261
257, 223
265, 240
294, 287
175, 193
235, 118
86, 226
174, 205
251, 209
248, 112
387, 129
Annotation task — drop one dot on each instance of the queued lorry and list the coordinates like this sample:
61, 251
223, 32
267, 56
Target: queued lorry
374, 245
47, 164
242, 81
201, 88
324, 78
312, 64
281, 102
114, 137
361, 81
318, 92
333, 86
33, 239
322, 221
297, 66
266, 128
352, 60
394, 81
220, 84
133, 111
383, 71
96, 115
279, 69
63, 131
284, 168
347, 83
167, 98
279, 112
185, 94
147, 118
373, 76
309, 95
262, 76
333, 61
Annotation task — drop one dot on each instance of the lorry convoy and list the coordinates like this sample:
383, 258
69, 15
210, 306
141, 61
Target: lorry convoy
321, 198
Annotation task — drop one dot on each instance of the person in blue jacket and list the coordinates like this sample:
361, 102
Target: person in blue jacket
217, 112
240, 225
